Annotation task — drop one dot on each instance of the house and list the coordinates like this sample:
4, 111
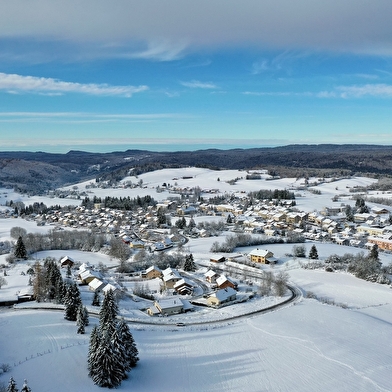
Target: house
222, 296
384, 242
262, 256
183, 286
152, 273
88, 275
223, 282
379, 210
96, 285
110, 287
218, 259
67, 261
170, 277
211, 276
166, 307
137, 244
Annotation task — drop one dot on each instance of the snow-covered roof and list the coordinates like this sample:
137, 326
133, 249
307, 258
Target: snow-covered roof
259, 252
224, 294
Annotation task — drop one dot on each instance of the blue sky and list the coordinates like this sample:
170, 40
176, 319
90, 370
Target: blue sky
100, 75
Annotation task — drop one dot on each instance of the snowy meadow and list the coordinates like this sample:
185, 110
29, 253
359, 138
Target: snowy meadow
340, 339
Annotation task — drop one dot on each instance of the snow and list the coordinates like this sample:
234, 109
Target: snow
343, 345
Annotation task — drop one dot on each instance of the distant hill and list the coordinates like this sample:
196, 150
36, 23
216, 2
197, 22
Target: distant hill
35, 172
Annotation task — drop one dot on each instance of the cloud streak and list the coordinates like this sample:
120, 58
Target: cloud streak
198, 84
379, 90
14, 83
340, 26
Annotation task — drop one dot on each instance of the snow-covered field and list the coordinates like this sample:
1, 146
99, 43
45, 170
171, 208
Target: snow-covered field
307, 346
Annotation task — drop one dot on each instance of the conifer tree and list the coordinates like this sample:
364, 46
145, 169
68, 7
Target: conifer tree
12, 386
131, 351
108, 313
373, 254
189, 264
20, 249
38, 282
80, 320
72, 301
96, 301
112, 350
61, 290
313, 254
85, 316
118, 353
107, 372
93, 347
25, 387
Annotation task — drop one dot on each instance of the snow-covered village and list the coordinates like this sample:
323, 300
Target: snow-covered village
192, 279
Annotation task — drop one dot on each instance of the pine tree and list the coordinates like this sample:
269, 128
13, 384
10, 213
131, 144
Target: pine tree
85, 316
61, 290
20, 249
96, 301
107, 372
189, 264
118, 353
131, 351
80, 320
38, 282
25, 387
12, 386
112, 350
108, 313
373, 254
93, 348
191, 223
313, 254
72, 301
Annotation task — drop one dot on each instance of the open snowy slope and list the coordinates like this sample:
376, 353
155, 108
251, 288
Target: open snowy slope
306, 347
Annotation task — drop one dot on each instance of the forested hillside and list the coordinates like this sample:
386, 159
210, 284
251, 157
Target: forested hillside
38, 172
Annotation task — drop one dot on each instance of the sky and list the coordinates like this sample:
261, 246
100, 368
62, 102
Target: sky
99, 75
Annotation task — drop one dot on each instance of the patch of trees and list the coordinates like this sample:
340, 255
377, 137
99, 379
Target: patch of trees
120, 203
162, 260
119, 250
212, 227
12, 386
48, 284
367, 267
237, 240
60, 239
277, 194
274, 284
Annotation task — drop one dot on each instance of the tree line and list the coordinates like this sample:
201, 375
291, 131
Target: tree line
56, 239
119, 203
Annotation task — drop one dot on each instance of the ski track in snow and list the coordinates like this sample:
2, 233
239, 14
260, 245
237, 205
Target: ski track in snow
310, 345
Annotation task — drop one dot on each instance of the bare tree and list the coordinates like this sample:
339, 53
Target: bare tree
17, 232
3, 282
280, 283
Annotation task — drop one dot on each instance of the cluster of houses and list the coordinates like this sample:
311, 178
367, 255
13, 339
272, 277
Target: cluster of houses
225, 290
271, 217
88, 275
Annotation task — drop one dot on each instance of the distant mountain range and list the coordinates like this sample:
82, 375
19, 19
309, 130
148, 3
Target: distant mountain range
36, 172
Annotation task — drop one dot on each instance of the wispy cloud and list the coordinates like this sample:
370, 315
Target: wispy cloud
374, 90
161, 50
278, 93
85, 116
14, 83
371, 90
198, 84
